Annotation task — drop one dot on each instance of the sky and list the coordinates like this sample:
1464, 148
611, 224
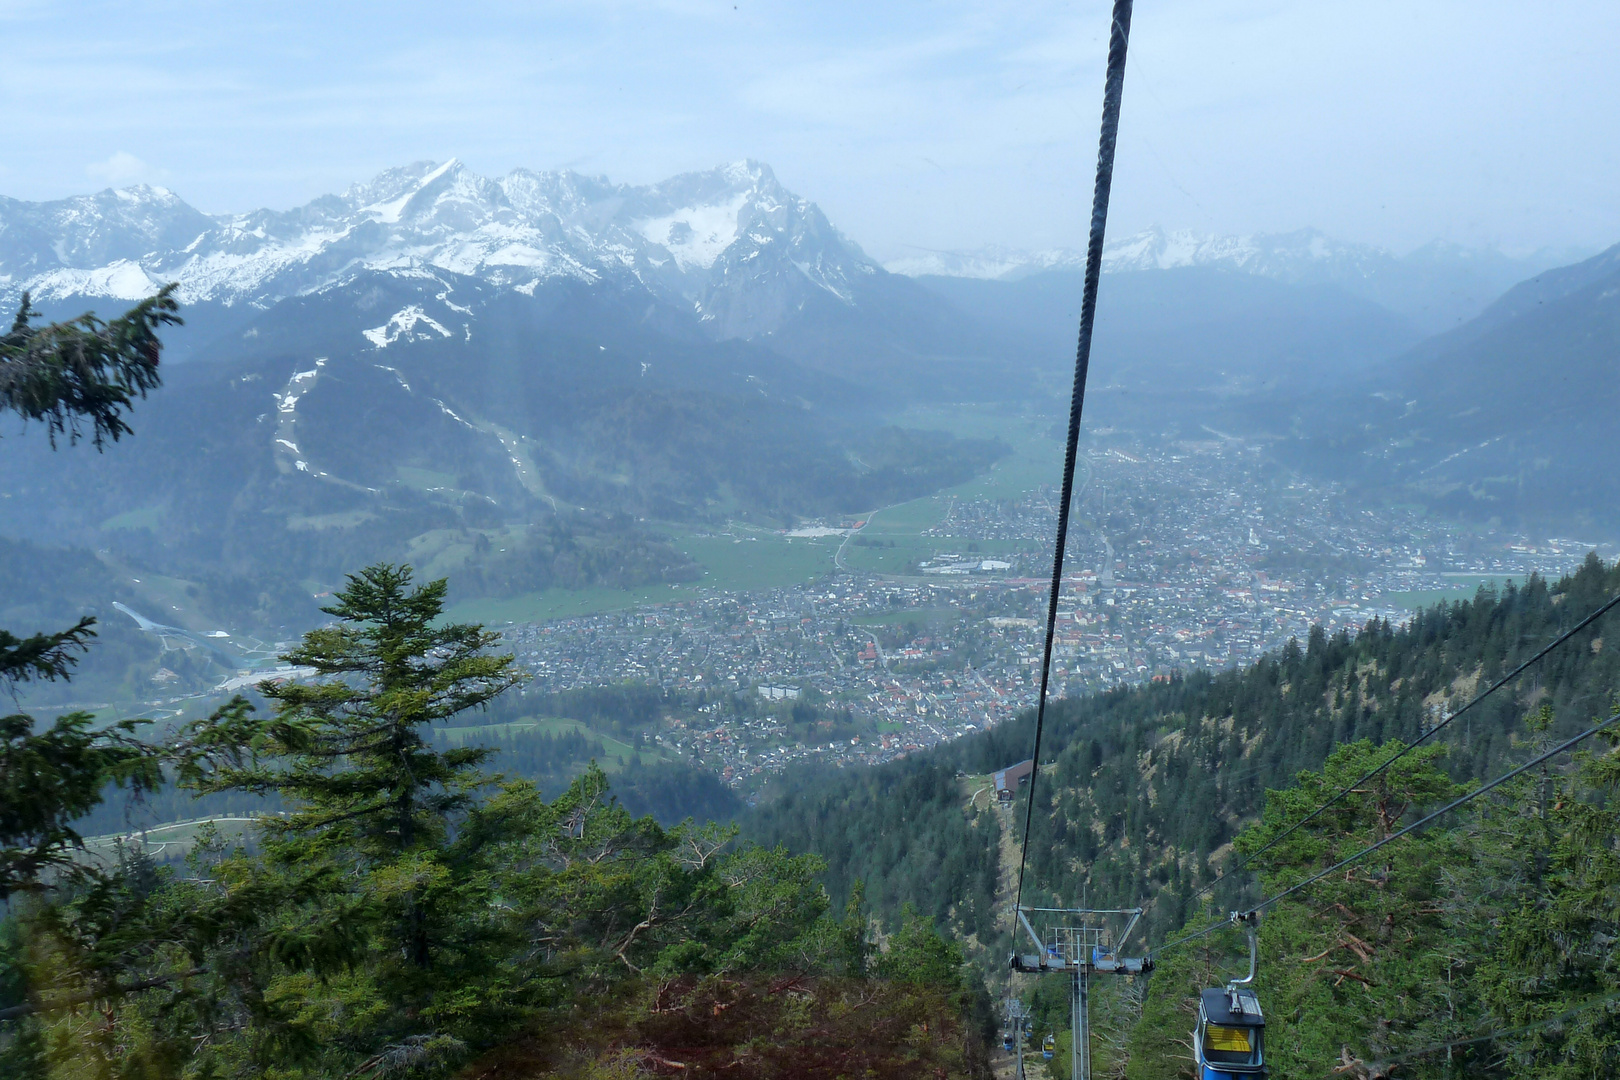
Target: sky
935, 125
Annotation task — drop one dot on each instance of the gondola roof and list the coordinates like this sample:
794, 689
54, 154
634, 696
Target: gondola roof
1218, 1008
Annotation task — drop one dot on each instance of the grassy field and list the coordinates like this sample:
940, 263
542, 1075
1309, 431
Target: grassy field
746, 559
424, 479
441, 552
1467, 585
750, 558
756, 559
1423, 598
558, 604
170, 841
1036, 459
147, 517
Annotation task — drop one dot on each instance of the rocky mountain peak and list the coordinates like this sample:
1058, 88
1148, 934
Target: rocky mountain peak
695, 238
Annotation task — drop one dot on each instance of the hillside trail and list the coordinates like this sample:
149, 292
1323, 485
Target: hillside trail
977, 793
1003, 1064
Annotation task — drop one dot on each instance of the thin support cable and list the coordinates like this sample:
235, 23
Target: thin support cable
1425, 737
1227, 925
1113, 88
1567, 744
1384, 1064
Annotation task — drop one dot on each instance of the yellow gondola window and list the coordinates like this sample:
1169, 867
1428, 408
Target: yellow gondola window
1230, 1039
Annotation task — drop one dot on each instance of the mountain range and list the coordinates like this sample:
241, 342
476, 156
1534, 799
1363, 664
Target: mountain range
513, 380
519, 379
743, 256
693, 239
1436, 286
737, 255
1342, 356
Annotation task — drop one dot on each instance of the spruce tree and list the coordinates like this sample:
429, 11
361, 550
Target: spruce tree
351, 751
83, 371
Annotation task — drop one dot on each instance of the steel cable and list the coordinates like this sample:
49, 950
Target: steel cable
1567, 744
1113, 88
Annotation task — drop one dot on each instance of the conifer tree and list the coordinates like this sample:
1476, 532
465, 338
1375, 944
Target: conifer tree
351, 750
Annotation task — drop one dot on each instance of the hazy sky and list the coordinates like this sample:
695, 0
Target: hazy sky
928, 124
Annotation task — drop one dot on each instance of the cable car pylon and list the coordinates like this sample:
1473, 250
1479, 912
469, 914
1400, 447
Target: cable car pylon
1079, 944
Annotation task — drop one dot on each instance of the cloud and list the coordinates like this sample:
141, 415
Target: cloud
120, 169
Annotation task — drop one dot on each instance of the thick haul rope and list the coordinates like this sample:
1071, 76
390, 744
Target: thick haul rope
1113, 86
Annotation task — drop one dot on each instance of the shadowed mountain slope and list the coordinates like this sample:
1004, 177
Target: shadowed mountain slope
1511, 416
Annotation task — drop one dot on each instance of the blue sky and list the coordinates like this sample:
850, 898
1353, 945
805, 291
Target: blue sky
915, 125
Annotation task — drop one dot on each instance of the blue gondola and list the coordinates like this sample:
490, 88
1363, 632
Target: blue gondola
1229, 1040
1007, 1043
1049, 1047
1230, 1036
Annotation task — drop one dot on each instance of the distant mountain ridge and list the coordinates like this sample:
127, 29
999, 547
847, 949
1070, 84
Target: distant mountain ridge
733, 249
1437, 286
732, 244
1511, 416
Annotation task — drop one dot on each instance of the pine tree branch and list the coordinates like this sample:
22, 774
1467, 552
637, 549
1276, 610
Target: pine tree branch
43, 656
84, 372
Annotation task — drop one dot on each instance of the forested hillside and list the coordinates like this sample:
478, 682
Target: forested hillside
1144, 790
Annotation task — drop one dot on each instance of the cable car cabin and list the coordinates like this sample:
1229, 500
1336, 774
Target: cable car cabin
1007, 1043
1230, 1032
1048, 1047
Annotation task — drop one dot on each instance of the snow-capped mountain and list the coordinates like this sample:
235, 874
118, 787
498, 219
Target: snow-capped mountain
732, 244
1289, 256
1306, 255
1303, 255
991, 263
1298, 256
